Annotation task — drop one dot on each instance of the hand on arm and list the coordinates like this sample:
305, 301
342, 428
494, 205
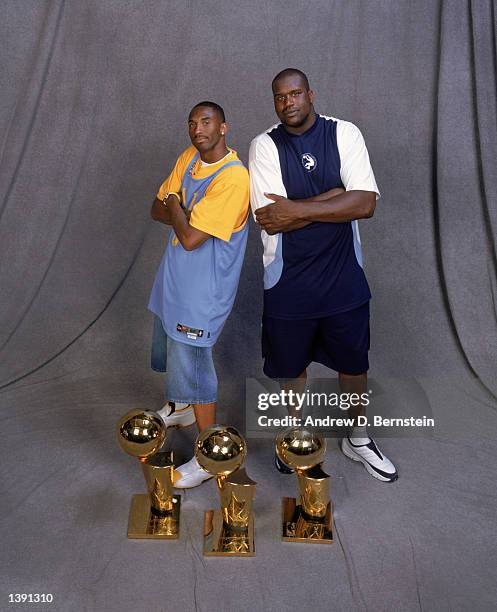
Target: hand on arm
171, 213
160, 211
282, 216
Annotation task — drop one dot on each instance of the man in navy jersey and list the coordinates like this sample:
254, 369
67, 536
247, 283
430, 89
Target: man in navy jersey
310, 180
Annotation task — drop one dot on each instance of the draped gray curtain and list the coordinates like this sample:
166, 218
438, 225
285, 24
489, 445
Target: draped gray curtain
93, 103
94, 99
465, 181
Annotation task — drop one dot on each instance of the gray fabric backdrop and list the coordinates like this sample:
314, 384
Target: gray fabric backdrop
93, 106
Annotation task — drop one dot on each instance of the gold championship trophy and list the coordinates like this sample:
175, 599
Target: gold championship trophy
229, 531
155, 514
309, 520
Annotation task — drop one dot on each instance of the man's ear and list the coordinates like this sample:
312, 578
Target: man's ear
311, 96
224, 128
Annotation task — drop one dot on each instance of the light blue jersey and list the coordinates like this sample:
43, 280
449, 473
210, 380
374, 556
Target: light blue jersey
194, 291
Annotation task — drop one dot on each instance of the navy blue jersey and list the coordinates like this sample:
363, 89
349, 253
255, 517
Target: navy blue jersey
315, 271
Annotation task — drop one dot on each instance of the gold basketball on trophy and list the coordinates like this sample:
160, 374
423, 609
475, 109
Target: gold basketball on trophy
300, 448
220, 450
141, 433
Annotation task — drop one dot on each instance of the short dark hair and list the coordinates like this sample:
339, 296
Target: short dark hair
213, 105
291, 72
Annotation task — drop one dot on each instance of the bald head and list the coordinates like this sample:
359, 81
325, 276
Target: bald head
292, 72
293, 100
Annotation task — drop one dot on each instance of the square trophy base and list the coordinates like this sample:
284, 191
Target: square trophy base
144, 524
296, 527
221, 541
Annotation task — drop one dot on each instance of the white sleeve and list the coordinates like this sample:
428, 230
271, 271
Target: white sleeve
265, 171
355, 170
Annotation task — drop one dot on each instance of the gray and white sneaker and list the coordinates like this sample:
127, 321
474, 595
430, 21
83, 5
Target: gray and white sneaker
372, 458
177, 415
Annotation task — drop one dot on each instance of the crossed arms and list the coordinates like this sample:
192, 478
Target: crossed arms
283, 215
171, 213
358, 201
334, 206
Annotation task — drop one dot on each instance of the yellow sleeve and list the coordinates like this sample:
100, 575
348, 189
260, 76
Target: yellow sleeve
224, 207
173, 182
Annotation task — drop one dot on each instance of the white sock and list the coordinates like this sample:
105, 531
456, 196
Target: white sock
359, 435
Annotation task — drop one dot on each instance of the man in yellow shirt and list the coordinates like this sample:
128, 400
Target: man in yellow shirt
206, 201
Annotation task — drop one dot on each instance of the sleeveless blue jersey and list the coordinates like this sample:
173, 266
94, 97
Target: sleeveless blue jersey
194, 291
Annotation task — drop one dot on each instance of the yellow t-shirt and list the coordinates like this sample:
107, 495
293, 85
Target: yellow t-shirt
225, 205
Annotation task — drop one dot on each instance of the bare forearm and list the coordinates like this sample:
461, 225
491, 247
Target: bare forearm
178, 221
332, 193
190, 237
160, 211
321, 197
347, 206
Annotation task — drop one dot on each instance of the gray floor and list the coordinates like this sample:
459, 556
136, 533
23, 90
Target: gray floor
426, 542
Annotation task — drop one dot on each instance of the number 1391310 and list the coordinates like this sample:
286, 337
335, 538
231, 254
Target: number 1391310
30, 598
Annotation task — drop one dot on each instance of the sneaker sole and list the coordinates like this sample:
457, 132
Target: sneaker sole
351, 455
176, 486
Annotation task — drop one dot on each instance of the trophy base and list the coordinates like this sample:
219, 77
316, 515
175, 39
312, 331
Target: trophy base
296, 526
144, 524
221, 541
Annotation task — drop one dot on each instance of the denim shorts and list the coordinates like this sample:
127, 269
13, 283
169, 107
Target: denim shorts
190, 373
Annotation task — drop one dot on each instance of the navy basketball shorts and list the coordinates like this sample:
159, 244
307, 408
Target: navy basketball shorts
340, 342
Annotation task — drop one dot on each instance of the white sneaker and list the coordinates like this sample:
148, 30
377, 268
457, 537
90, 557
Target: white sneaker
177, 415
190, 475
373, 460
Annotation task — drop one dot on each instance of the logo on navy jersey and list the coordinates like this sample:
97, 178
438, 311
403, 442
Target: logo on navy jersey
309, 161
